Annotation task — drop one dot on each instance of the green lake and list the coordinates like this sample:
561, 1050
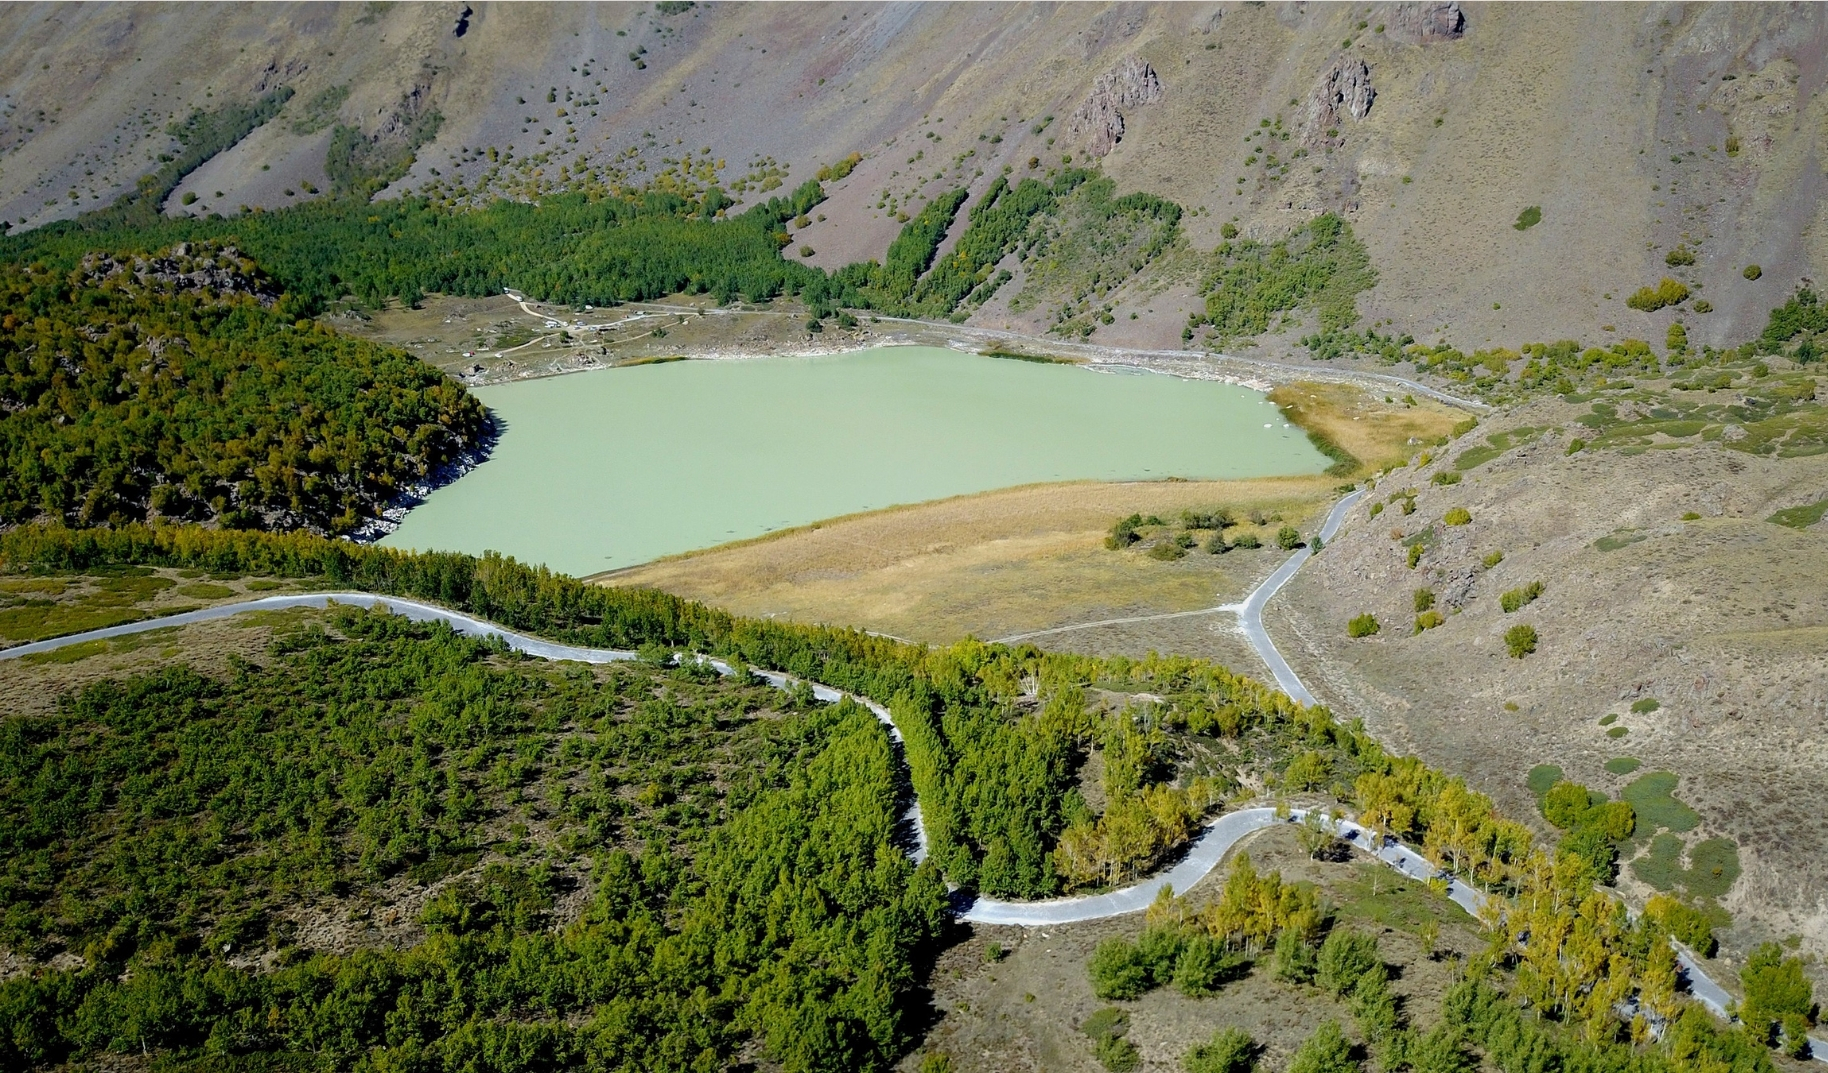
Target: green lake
611, 468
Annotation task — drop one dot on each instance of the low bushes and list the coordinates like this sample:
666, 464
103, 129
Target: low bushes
1667, 292
1518, 599
1230, 1051
1364, 625
1458, 516
1196, 964
1520, 640
1107, 1029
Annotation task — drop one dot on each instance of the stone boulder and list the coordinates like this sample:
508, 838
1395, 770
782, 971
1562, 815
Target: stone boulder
1344, 91
1421, 23
1099, 118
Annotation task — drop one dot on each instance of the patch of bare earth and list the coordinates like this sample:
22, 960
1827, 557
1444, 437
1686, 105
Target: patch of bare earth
1023, 1011
987, 565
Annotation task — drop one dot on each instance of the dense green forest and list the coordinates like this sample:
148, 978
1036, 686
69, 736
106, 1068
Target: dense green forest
744, 885
737, 845
383, 751
568, 248
173, 388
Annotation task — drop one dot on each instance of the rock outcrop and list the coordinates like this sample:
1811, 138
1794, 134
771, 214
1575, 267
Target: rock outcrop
1344, 91
1099, 119
186, 268
1420, 23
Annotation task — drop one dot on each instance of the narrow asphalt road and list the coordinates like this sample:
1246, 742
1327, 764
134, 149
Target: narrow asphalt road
1249, 612
1201, 857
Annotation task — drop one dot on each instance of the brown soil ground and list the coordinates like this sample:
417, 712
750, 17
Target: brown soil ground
1023, 1012
987, 565
1719, 619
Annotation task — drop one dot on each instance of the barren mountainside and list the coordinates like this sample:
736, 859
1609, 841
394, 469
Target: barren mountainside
1635, 129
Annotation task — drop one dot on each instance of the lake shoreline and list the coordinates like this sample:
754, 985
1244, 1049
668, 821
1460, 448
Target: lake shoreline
601, 473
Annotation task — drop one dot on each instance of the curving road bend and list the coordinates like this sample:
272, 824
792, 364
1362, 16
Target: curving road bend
1249, 612
1200, 858
468, 625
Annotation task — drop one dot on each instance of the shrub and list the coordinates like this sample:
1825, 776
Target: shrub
1424, 599
1428, 620
1363, 626
1445, 477
1326, 1051
1119, 971
1205, 964
1345, 958
1566, 804
1215, 544
1288, 538
1376, 509
1775, 990
1415, 555
1107, 1029
1109, 1021
1295, 960
1248, 541
834, 172
1667, 292
1648, 704
1212, 519
1493, 559
1576, 445
1459, 516
1528, 218
1520, 640
1702, 305
1230, 1051
1167, 551
1679, 257
1123, 533
1752, 272
1518, 599
1116, 1054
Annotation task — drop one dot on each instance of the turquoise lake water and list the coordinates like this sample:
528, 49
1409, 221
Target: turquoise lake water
611, 468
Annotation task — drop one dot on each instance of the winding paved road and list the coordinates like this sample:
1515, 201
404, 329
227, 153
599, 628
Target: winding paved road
1202, 855
1249, 612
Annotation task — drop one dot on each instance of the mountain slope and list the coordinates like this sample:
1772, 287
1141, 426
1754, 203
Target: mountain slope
1635, 129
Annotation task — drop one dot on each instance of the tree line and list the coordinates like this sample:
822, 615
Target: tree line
172, 388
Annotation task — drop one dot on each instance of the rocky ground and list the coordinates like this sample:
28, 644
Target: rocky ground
1429, 125
1669, 604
